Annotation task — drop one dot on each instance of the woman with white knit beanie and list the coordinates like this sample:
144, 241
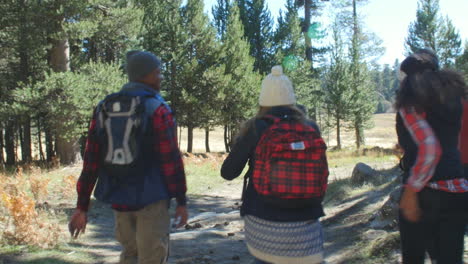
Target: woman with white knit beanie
275, 234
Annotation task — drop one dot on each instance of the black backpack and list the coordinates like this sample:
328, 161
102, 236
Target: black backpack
123, 121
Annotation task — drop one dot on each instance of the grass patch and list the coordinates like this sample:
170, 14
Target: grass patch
203, 178
377, 251
351, 156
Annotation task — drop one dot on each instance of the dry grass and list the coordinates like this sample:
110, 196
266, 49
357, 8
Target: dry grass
382, 134
22, 223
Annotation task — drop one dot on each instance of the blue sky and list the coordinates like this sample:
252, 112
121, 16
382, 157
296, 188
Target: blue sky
389, 19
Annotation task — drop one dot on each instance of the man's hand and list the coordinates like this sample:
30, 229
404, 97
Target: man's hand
409, 205
181, 216
77, 223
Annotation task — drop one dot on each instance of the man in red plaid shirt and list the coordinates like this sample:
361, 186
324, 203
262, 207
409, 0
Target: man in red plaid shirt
141, 227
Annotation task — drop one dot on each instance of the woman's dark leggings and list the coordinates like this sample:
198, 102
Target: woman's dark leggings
441, 230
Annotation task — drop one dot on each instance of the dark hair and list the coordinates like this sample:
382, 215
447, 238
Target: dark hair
298, 115
425, 85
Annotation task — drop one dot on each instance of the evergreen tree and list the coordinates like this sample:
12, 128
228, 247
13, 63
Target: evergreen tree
288, 37
163, 34
363, 97
220, 12
23, 55
242, 90
432, 31
200, 87
462, 62
308, 29
71, 96
258, 28
336, 86
107, 31
450, 44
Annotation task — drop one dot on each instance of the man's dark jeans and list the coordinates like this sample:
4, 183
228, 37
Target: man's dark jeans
441, 230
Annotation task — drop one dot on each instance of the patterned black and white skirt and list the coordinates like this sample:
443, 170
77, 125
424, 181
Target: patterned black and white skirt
284, 242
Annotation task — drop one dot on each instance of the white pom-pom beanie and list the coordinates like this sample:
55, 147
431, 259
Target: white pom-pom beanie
277, 89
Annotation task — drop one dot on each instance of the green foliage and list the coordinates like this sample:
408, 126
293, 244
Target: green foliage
106, 30
258, 29
201, 74
69, 97
241, 92
432, 31
386, 83
220, 12
337, 86
288, 36
462, 62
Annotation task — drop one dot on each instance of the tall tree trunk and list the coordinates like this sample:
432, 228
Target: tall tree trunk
68, 150
308, 40
10, 143
180, 136
338, 133
49, 141
189, 139
358, 122
226, 144
39, 141
25, 72
207, 140
359, 132
26, 153
2, 158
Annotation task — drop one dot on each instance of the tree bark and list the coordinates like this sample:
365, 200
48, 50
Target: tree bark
2, 158
308, 40
226, 144
49, 140
39, 141
338, 133
68, 150
26, 153
359, 134
207, 140
10, 143
189, 139
25, 72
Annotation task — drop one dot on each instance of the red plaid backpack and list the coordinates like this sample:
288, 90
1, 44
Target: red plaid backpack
290, 167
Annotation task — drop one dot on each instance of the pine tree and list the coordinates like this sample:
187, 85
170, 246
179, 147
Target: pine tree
311, 8
462, 62
432, 31
288, 37
220, 12
336, 87
200, 78
242, 90
107, 31
363, 98
258, 29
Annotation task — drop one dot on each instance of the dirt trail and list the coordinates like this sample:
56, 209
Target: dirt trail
216, 232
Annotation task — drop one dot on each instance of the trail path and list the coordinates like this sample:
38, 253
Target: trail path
216, 230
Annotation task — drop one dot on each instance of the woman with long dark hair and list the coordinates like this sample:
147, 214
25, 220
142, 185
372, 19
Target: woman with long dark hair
434, 201
280, 231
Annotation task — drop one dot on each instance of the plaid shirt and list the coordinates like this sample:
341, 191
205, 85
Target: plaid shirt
170, 160
429, 152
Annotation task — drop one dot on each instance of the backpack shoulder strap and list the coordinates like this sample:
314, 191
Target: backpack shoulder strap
151, 103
